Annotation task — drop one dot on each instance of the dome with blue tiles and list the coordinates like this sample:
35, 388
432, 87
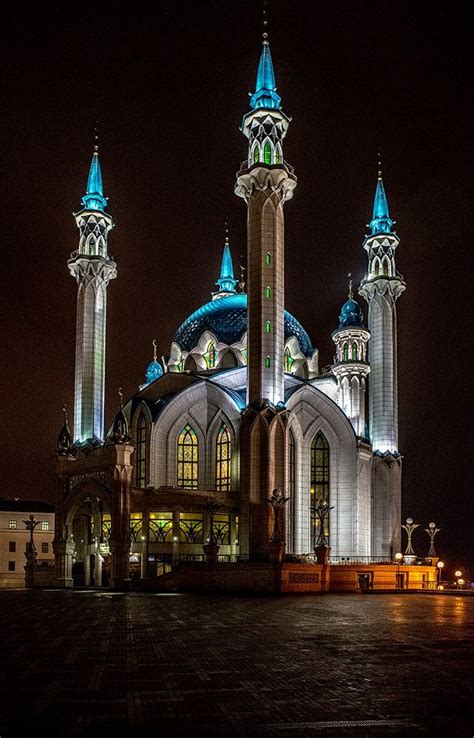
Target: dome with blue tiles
351, 315
153, 371
226, 318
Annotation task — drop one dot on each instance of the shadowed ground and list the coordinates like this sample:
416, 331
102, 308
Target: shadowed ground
95, 663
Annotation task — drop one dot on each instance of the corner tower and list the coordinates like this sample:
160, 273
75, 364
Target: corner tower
381, 287
93, 268
265, 182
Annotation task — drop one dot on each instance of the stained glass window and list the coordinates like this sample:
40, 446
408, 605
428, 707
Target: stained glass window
255, 155
385, 268
221, 529
187, 467
345, 352
268, 257
268, 292
268, 327
135, 527
267, 362
210, 355
319, 482
223, 459
376, 267
354, 352
190, 528
106, 528
161, 527
267, 153
277, 155
140, 458
288, 360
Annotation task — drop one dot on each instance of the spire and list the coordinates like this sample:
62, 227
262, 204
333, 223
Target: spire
120, 427
265, 95
381, 221
64, 445
350, 294
226, 281
154, 369
94, 198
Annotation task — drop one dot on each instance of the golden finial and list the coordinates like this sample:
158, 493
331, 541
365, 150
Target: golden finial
154, 349
350, 295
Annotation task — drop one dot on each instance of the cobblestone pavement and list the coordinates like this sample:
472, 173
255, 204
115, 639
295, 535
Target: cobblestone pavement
105, 664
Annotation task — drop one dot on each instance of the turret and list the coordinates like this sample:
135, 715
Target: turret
226, 283
351, 367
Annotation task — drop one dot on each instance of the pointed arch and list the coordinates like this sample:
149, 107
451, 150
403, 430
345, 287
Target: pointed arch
229, 359
386, 266
376, 266
267, 152
187, 467
278, 155
210, 355
223, 459
354, 351
288, 360
319, 483
345, 352
256, 154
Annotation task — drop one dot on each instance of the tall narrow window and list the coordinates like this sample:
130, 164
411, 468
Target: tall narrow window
385, 268
267, 362
288, 360
255, 155
267, 153
345, 352
268, 258
376, 267
292, 491
210, 355
223, 459
268, 327
140, 450
277, 155
187, 467
268, 292
354, 352
319, 489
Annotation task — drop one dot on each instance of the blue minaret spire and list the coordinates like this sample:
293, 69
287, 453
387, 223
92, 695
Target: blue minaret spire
265, 95
226, 282
381, 221
94, 198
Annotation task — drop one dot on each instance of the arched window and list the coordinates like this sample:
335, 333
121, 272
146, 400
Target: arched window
267, 153
319, 489
386, 272
187, 466
278, 158
268, 292
223, 459
140, 453
288, 360
210, 355
291, 490
268, 327
354, 352
268, 258
376, 267
345, 352
267, 362
255, 155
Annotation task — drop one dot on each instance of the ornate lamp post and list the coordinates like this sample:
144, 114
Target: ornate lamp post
30, 525
458, 575
439, 566
276, 544
432, 530
321, 548
398, 559
211, 548
410, 556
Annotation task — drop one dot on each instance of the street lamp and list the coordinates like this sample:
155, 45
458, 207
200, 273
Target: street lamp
439, 566
398, 559
460, 583
432, 530
458, 575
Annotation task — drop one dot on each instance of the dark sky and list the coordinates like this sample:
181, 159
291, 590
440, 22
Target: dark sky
170, 89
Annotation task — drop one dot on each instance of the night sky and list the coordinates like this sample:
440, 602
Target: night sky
170, 89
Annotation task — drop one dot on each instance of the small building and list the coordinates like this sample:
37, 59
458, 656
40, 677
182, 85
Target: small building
14, 537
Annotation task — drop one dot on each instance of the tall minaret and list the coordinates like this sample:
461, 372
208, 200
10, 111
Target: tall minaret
265, 183
381, 287
93, 268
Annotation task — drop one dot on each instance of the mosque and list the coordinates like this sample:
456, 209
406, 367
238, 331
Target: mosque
239, 407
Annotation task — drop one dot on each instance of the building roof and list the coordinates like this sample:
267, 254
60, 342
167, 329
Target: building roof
30, 506
226, 318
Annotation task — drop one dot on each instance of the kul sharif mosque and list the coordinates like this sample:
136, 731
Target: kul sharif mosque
238, 407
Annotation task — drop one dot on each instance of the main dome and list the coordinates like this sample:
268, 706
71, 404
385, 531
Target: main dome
226, 318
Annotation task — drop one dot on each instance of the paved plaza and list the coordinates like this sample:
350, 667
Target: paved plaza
95, 663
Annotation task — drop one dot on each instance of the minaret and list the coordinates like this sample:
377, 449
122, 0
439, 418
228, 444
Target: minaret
93, 268
351, 367
381, 287
265, 183
227, 283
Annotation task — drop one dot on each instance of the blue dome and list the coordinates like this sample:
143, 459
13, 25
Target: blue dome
153, 371
227, 319
351, 315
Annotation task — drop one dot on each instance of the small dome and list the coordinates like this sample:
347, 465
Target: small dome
351, 315
154, 371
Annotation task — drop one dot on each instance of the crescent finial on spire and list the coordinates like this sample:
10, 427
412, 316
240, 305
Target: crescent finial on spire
154, 349
351, 294
120, 392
